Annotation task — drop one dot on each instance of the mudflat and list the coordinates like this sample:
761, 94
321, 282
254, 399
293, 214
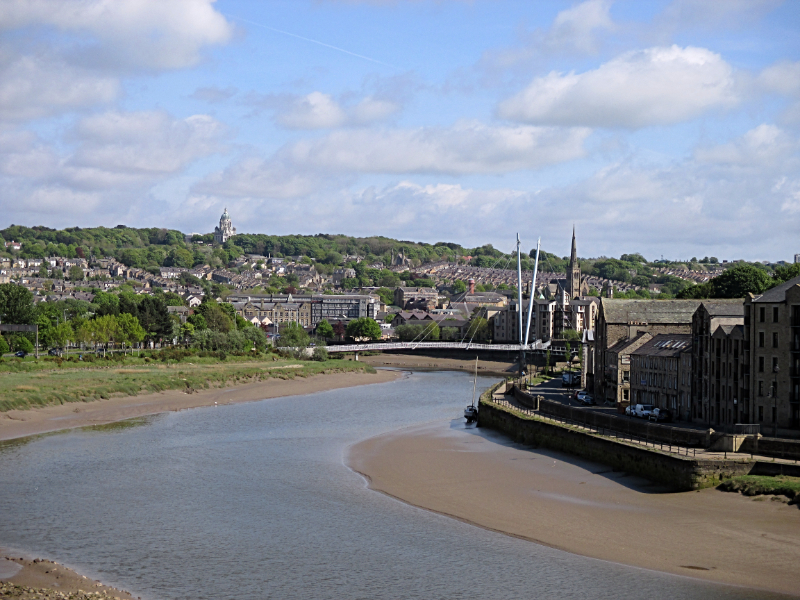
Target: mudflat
21, 423
482, 478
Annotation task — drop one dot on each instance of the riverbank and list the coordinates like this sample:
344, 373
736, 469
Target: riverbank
22, 423
422, 362
25, 578
584, 508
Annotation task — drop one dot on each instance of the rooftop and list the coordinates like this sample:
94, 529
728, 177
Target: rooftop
648, 311
665, 344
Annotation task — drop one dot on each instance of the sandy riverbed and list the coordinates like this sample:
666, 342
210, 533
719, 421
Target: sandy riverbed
584, 508
21, 423
437, 363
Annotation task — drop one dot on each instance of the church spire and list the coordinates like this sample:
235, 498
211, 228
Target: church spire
573, 259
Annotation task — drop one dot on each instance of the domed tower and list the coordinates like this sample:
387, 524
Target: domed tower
226, 230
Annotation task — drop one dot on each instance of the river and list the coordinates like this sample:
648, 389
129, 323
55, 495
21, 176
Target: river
254, 501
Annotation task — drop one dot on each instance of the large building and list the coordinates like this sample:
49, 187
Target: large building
772, 337
719, 393
308, 310
619, 325
225, 230
660, 373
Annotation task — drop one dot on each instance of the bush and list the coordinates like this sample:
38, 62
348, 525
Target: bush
320, 354
3, 346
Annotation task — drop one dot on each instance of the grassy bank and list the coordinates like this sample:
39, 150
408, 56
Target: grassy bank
31, 383
757, 485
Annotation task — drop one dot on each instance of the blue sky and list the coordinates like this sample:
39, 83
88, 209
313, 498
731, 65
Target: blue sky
668, 128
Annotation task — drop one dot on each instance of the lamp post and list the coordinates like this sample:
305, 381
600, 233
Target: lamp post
775, 370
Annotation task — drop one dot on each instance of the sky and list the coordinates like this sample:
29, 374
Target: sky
669, 128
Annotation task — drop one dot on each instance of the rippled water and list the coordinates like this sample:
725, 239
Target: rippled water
254, 501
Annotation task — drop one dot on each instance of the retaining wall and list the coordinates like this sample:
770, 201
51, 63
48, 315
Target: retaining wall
775, 447
673, 472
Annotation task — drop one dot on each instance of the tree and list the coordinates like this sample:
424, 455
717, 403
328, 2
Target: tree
324, 329
198, 321
697, 292
43, 272
3, 346
154, 317
478, 329
459, 286
571, 335
75, 273
339, 329
738, 281
293, 335
129, 331
364, 328
61, 334
785, 273
216, 319
320, 354
16, 305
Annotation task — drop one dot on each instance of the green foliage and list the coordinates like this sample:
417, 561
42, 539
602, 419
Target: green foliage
785, 273
478, 329
459, 286
319, 354
571, 335
364, 329
738, 281
16, 305
324, 329
4, 346
293, 335
75, 273
20, 342
386, 295
696, 292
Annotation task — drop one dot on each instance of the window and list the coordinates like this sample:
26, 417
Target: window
760, 339
774, 363
774, 339
760, 413
760, 364
760, 388
762, 314
774, 314
774, 414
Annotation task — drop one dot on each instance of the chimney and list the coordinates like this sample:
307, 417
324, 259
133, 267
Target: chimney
471, 286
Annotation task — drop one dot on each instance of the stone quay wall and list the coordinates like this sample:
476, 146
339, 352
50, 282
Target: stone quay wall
673, 472
630, 426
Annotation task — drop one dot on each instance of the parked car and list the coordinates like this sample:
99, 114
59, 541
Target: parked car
569, 379
20, 354
628, 410
661, 414
642, 410
55, 352
588, 400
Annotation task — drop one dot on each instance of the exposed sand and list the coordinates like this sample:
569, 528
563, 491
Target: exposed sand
422, 362
49, 579
21, 423
481, 477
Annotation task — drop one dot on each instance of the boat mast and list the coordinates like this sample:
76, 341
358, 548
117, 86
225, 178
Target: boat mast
533, 292
475, 381
519, 307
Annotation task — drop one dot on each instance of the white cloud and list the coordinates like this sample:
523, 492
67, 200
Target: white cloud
257, 178
132, 33
656, 86
321, 111
761, 147
467, 147
575, 28
43, 84
314, 111
117, 158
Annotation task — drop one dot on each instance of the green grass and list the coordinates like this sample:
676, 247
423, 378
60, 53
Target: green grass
757, 485
27, 384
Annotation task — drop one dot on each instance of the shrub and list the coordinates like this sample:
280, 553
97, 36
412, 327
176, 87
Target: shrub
320, 354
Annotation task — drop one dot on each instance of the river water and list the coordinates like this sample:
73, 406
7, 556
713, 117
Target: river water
254, 501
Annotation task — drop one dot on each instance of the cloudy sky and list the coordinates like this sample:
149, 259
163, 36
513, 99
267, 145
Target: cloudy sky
667, 127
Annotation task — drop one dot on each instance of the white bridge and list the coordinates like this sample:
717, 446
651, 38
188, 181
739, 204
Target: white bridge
536, 347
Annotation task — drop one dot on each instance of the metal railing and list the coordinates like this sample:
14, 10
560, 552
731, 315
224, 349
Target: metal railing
747, 428
601, 431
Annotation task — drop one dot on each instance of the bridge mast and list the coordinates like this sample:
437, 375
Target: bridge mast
519, 308
533, 290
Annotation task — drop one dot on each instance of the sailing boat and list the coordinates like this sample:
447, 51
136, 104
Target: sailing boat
471, 412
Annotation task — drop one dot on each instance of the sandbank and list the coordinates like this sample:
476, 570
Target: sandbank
422, 362
22, 423
481, 477
43, 578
